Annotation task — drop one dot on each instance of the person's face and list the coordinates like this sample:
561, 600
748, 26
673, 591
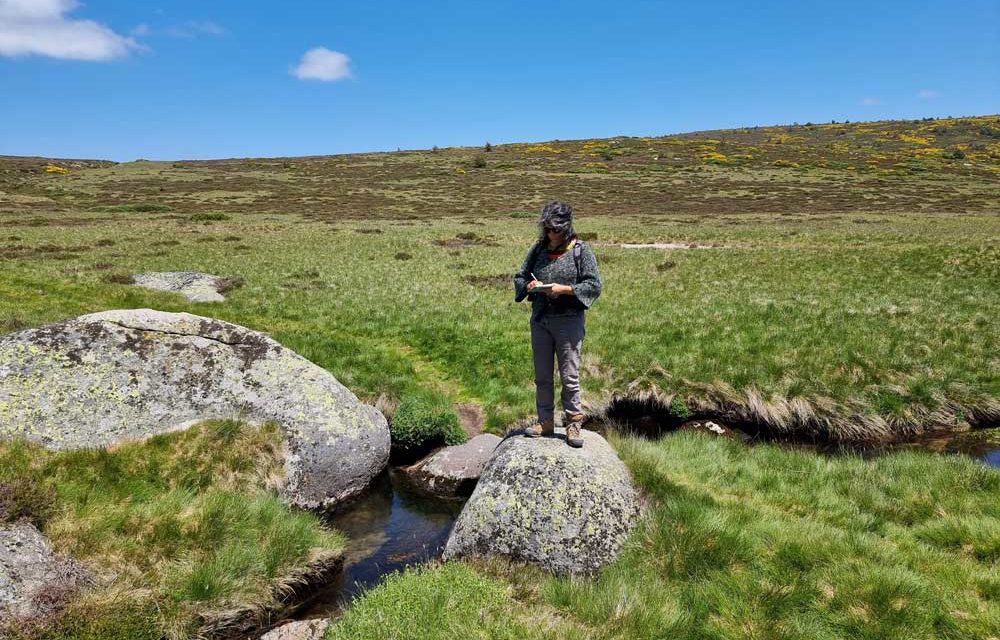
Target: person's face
554, 235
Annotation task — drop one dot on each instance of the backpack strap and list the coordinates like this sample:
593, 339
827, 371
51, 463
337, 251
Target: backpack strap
578, 257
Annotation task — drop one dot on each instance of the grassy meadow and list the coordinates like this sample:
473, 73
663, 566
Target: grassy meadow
742, 543
801, 321
182, 532
840, 282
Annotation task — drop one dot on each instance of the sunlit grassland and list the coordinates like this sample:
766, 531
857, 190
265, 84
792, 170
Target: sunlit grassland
738, 542
176, 529
857, 315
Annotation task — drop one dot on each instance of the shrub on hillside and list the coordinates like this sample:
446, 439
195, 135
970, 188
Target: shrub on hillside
211, 216
423, 422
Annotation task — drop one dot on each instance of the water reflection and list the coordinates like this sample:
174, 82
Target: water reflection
992, 457
982, 444
390, 528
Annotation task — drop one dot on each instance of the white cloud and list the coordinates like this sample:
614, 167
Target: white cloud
40, 27
928, 94
194, 28
871, 102
322, 64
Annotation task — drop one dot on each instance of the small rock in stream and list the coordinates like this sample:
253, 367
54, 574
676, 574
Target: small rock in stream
453, 471
300, 630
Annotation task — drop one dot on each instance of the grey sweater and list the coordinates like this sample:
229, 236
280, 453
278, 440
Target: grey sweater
562, 270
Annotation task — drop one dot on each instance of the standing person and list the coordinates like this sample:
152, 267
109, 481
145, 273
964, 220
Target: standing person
560, 277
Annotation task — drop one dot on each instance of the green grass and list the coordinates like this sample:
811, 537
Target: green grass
450, 601
422, 423
177, 526
799, 320
758, 542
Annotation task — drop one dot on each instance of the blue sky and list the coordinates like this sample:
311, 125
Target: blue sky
133, 79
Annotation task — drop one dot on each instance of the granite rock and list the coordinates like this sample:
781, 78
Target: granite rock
453, 471
34, 581
121, 375
193, 285
540, 501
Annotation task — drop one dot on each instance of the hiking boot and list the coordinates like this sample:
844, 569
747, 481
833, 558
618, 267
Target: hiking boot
573, 436
541, 428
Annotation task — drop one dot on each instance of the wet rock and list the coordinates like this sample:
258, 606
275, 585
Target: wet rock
195, 286
301, 630
453, 471
34, 581
120, 375
713, 428
540, 501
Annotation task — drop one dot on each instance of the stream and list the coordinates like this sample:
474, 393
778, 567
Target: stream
390, 528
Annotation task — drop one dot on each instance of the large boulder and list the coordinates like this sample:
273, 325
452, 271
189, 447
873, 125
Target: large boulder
540, 501
120, 375
34, 581
453, 471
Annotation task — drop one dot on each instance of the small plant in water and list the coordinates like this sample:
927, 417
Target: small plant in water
679, 409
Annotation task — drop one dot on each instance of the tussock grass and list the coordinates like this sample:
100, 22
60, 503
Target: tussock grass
421, 423
444, 601
182, 527
741, 542
797, 418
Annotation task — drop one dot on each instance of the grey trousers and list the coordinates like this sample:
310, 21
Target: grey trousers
557, 338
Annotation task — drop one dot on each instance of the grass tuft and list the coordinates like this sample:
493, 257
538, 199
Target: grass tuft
423, 422
184, 523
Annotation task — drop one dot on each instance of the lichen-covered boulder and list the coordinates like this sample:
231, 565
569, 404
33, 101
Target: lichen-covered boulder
453, 471
34, 581
120, 375
193, 285
543, 502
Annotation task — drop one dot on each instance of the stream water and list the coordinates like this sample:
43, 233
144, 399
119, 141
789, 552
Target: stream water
982, 444
391, 527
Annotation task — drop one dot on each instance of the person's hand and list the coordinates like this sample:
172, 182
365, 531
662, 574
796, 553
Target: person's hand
560, 290
533, 284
